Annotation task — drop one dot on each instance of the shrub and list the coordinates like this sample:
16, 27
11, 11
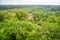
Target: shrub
1, 17
22, 29
19, 28
21, 15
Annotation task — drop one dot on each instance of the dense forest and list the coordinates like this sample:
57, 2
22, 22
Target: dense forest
32, 22
49, 7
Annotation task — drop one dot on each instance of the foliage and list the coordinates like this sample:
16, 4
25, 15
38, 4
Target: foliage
18, 27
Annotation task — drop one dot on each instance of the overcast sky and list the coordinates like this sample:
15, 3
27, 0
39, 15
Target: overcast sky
29, 2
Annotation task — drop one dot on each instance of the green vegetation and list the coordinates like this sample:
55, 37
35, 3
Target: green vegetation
14, 24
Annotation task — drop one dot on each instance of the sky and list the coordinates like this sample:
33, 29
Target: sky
29, 2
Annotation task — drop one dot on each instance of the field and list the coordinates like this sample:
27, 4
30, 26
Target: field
33, 22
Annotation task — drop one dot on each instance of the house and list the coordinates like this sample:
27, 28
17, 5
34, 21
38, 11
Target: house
30, 16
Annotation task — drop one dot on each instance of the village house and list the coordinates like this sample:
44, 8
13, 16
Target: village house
30, 16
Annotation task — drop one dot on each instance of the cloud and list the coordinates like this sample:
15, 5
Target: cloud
30, 2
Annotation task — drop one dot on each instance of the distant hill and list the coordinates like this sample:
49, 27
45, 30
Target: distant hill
50, 7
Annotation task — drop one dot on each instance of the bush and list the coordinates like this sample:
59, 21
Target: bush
52, 19
21, 15
24, 30
1, 17
19, 28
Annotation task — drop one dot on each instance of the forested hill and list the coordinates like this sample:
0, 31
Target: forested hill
49, 7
